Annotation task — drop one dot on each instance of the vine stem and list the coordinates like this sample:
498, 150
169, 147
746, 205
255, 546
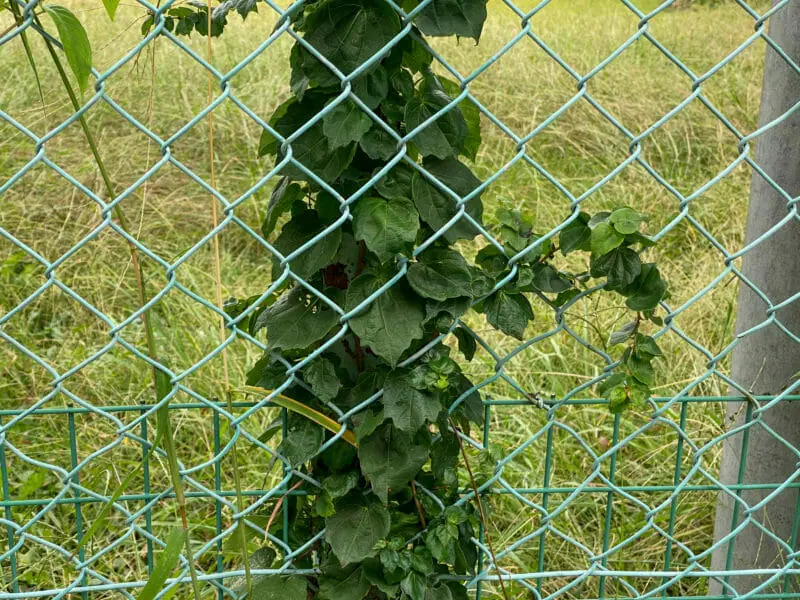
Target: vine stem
237, 484
277, 507
480, 508
151, 351
418, 505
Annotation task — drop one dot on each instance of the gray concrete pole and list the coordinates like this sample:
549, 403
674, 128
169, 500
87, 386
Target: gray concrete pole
765, 362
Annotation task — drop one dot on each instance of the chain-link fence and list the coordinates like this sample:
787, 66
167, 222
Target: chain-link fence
584, 504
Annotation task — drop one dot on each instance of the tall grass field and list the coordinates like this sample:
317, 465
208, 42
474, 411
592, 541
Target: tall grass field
163, 88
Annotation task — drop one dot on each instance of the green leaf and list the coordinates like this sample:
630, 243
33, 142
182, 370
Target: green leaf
390, 458
302, 228
440, 274
321, 376
604, 239
349, 33
466, 342
371, 87
297, 320
626, 220
311, 149
647, 345
343, 584
359, 524
647, 289
547, 279
111, 7
76, 45
366, 422
302, 441
444, 137
621, 266
276, 587
340, 484
576, 235
280, 201
165, 563
623, 334
641, 370
472, 117
406, 406
388, 227
609, 382
464, 18
414, 585
402, 82
344, 124
436, 207
243, 7
378, 144
617, 399
267, 373
391, 322
510, 313
396, 183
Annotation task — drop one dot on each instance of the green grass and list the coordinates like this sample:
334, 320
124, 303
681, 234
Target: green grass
171, 213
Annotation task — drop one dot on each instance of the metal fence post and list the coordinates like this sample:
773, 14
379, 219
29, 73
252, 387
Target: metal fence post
766, 360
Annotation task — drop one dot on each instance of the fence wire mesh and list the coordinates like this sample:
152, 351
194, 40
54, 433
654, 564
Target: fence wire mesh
581, 502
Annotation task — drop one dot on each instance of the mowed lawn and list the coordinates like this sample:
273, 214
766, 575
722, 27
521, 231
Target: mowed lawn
164, 88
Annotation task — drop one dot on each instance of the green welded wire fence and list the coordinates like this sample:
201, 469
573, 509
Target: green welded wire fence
83, 572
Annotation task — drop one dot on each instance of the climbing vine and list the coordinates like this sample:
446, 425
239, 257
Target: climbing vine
374, 201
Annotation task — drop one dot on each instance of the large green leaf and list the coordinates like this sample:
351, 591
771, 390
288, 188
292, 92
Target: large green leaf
359, 523
621, 266
576, 235
312, 148
444, 137
280, 201
349, 33
321, 376
345, 123
605, 238
647, 289
463, 18
408, 407
472, 118
509, 313
275, 587
303, 227
297, 320
75, 42
436, 208
379, 144
391, 322
343, 584
440, 273
390, 458
302, 441
371, 87
388, 227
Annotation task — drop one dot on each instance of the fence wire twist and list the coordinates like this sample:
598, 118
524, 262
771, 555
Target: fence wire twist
88, 579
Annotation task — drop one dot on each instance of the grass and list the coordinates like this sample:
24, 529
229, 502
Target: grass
171, 213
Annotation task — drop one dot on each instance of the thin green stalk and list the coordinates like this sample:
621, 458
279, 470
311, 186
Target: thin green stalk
24, 37
169, 443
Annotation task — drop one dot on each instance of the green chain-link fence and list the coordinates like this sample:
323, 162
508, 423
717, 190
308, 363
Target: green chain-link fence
566, 526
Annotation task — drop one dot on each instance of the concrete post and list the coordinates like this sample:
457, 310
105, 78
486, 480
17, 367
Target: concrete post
765, 362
